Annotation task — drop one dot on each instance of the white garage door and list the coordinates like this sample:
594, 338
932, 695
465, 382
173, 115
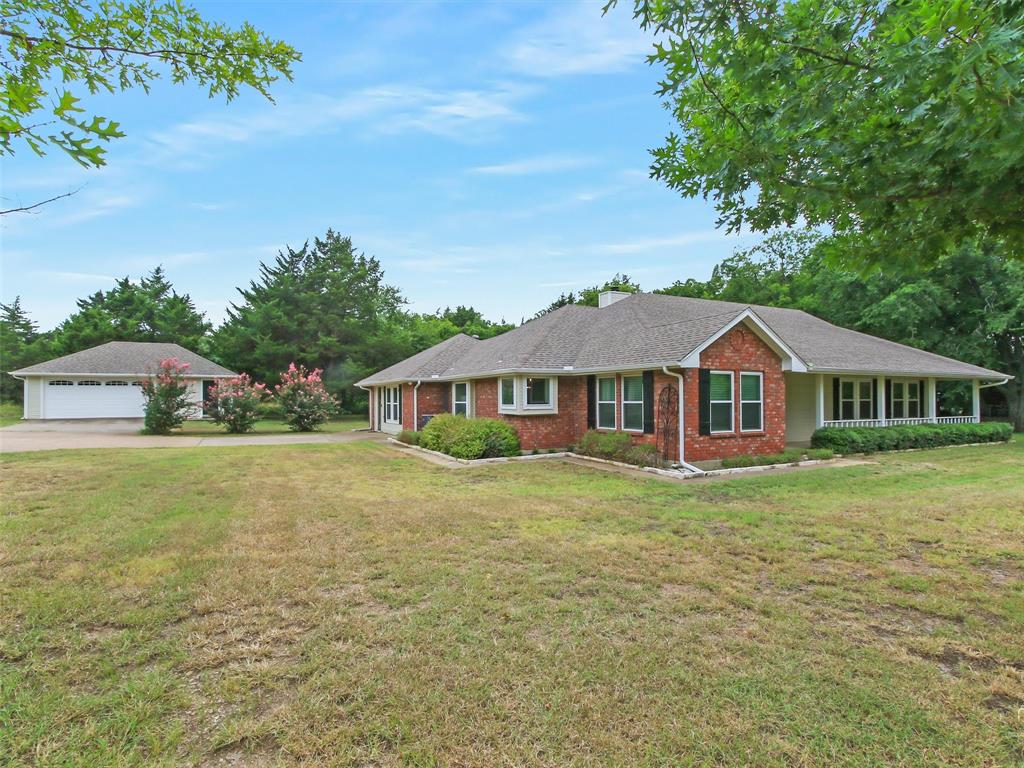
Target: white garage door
91, 399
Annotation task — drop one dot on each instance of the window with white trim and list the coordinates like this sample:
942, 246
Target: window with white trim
751, 402
61, 383
89, 383
460, 398
906, 400
721, 401
116, 383
539, 392
606, 403
633, 403
507, 394
856, 399
392, 405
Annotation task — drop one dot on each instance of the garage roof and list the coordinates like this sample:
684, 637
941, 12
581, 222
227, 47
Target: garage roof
125, 358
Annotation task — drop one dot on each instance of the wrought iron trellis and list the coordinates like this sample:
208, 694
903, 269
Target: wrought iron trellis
668, 421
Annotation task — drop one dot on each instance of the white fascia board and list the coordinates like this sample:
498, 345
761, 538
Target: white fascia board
910, 374
791, 361
123, 375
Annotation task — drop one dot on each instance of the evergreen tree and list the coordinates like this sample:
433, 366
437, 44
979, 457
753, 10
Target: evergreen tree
323, 306
149, 310
20, 345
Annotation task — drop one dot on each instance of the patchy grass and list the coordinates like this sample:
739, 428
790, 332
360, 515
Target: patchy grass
345, 605
10, 413
270, 427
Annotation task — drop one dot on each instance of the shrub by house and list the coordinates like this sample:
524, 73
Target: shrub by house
305, 402
870, 440
167, 397
470, 438
235, 403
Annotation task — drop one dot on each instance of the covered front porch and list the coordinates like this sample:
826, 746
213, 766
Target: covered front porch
817, 400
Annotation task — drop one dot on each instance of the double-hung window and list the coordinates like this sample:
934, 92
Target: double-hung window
606, 403
906, 400
507, 394
538, 392
633, 403
856, 399
460, 398
721, 401
751, 402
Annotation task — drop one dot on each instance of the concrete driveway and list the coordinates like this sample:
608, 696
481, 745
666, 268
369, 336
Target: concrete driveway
62, 434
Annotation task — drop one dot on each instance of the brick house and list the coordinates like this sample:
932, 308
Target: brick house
698, 379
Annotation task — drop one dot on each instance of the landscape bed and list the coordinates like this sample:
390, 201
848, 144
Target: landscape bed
344, 604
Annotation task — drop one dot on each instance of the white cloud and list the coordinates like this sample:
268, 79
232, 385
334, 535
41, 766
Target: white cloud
94, 205
577, 39
673, 241
73, 277
388, 109
551, 163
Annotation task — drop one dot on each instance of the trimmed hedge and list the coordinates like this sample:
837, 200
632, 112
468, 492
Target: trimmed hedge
872, 439
788, 456
469, 438
408, 437
617, 446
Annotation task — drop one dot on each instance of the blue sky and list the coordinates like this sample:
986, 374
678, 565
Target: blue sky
488, 154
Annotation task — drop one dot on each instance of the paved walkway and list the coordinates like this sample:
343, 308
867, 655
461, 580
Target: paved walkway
124, 433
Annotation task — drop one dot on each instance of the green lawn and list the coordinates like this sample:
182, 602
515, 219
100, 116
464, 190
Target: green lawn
10, 413
271, 426
347, 605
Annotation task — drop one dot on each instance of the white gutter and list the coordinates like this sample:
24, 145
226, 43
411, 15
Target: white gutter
682, 424
416, 406
994, 383
370, 408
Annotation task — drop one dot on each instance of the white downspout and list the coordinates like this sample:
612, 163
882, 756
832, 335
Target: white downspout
682, 424
416, 406
980, 386
24, 400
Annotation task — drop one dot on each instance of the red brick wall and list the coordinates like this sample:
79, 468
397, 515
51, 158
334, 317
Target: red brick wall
537, 431
430, 399
739, 350
661, 381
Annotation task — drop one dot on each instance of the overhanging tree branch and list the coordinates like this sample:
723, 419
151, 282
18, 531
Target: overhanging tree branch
31, 208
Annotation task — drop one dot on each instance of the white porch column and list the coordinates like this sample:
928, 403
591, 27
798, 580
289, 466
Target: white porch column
819, 401
931, 400
880, 385
976, 400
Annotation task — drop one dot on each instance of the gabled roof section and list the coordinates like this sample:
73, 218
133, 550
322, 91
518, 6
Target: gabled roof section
430, 363
125, 358
651, 330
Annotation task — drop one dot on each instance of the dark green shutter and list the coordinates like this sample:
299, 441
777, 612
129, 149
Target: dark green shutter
920, 399
648, 402
704, 400
836, 405
401, 397
888, 398
874, 397
591, 401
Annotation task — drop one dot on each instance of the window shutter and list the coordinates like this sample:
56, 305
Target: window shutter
401, 397
888, 398
704, 400
920, 399
874, 397
648, 402
591, 401
836, 405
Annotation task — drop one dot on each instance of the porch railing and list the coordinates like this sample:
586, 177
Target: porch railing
901, 422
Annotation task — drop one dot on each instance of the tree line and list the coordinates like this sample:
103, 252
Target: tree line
326, 305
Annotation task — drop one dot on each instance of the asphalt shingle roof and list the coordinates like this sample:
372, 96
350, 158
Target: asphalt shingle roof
651, 330
126, 358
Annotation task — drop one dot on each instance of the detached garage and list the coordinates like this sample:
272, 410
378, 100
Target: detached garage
105, 382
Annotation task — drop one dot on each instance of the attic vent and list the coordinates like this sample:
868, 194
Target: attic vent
607, 298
